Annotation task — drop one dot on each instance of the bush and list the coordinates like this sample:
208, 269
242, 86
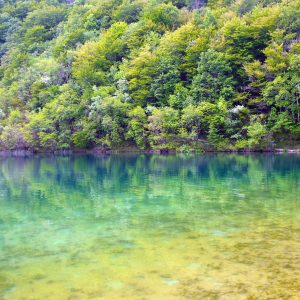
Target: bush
13, 138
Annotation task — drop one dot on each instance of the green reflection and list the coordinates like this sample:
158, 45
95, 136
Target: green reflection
147, 226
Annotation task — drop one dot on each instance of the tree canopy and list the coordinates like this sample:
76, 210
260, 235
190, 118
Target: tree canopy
160, 74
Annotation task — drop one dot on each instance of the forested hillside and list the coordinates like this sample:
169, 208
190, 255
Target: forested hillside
156, 74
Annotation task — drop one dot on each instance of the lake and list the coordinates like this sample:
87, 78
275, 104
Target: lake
219, 226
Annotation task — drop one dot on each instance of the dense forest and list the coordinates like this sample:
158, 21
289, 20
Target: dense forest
150, 74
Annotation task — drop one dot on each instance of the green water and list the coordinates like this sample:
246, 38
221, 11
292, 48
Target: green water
150, 227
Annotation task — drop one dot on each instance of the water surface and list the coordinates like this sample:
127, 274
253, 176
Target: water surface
150, 227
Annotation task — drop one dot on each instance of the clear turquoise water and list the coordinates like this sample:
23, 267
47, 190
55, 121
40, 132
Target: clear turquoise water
150, 227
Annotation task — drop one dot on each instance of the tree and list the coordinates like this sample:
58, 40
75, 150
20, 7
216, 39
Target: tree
94, 59
257, 133
164, 14
196, 119
137, 126
163, 124
109, 116
159, 74
165, 80
214, 78
139, 73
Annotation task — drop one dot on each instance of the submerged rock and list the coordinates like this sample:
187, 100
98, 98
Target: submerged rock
170, 281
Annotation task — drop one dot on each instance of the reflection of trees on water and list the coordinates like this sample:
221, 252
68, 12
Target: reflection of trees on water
123, 182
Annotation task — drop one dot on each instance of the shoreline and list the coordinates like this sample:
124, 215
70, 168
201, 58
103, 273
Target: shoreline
96, 151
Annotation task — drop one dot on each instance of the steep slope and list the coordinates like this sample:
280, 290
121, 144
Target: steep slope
152, 74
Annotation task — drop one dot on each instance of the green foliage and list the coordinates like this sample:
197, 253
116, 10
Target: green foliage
84, 138
13, 137
45, 15
94, 59
257, 133
180, 97
137, 126
163, 126
213, 79
163, 84
140, 72
109, 116
196, 119
164, 14
149, 73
